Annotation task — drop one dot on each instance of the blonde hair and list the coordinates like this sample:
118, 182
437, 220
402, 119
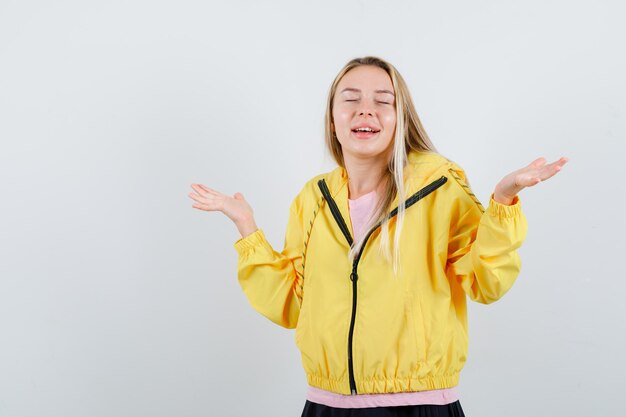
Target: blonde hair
409, 135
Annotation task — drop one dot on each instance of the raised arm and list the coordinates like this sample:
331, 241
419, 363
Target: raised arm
482, 248
271, 280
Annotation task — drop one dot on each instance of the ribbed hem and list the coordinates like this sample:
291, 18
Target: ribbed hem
433, 397
503, 210
246, 243
384, 386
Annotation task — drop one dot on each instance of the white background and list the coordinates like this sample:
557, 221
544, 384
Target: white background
119, 299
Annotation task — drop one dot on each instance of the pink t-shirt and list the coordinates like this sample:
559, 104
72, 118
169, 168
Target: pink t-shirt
360, 210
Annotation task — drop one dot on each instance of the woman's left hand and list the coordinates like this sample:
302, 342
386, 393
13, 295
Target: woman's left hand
532, 174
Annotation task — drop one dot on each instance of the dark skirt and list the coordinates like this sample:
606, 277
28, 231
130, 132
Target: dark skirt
454, 409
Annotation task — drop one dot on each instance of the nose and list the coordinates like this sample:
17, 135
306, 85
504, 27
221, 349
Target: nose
365, 110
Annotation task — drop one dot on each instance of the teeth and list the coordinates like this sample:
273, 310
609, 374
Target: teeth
364, 129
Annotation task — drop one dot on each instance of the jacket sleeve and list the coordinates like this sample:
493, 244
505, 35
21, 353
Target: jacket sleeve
271, 280
482, 246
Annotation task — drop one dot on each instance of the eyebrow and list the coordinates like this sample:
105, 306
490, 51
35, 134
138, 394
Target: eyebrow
356, 90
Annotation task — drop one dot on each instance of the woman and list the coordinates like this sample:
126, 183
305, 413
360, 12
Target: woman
374, 275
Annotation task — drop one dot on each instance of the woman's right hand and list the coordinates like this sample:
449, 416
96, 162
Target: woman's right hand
235, 208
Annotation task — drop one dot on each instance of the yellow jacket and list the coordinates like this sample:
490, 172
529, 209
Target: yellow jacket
359, 329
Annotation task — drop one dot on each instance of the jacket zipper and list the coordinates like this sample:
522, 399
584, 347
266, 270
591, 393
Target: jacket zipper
354, 276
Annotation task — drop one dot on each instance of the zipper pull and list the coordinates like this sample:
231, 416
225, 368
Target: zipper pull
354, 277
353, 392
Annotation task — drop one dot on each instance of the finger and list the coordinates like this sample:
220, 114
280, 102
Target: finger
208, 205
562, 161
538, 163
201, 187
198, 188
558, 164
201, 207
205, 189
199, 198
550, 171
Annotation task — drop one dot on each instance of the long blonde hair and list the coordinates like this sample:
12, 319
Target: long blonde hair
409, 135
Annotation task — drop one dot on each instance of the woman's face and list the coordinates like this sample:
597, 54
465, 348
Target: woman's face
364, 113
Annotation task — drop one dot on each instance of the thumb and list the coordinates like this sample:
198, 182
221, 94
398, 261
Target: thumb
538, 163
238, 196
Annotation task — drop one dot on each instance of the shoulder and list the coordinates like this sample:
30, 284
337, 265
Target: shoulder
334, 179
431, 165
310, 197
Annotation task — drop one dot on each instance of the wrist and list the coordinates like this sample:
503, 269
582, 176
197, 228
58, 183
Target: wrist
501, 196
503, 199
246, 226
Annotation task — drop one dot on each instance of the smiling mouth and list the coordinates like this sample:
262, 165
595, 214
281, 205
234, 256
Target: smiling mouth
365, 132
366, 129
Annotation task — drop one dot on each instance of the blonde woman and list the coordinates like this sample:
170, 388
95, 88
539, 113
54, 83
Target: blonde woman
380, 254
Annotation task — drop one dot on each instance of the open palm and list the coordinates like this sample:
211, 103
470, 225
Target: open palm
235, 208
532, 174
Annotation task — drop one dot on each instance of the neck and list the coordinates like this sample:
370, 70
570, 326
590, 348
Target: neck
364, 174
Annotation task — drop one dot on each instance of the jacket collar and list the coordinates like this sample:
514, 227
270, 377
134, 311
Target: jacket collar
421, 169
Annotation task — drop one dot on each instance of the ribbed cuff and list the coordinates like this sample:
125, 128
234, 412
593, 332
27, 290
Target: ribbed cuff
503, 210
244, 244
